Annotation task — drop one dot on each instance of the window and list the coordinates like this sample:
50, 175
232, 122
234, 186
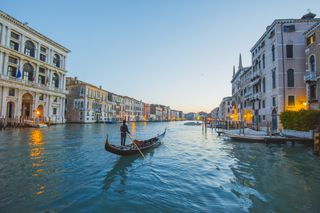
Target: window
291, 101
29, 49
273, 79
312, 63
54, 111
264, 84
263, 61
290, 78
12, 71
273, 53
274, 101
55, 80
11, 92
13, 60
42, 76
43, 54
15, 35
263, 117
289, 50
41, 97
43, 49
289, 28
27, 72
311, 39
43, 57
263, 104
14, 45
56, 60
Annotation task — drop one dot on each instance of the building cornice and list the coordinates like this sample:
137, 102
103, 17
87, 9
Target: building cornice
33, 31
282, 21
312, 29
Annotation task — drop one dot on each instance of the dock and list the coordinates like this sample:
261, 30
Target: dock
270, 139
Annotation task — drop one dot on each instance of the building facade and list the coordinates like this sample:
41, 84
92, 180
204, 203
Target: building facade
312, 74
225, 109
86, 103
32, 73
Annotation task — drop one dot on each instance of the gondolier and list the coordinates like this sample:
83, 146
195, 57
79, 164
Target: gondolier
124, 130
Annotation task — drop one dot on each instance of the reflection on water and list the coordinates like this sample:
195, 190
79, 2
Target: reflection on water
119, 170
36, 157
133, 128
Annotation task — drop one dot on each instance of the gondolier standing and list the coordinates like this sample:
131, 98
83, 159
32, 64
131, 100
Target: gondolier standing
124, 130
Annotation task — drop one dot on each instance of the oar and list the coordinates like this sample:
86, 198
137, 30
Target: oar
136, 145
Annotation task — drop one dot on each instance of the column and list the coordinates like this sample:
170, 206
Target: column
38, 51
62, 109
7, 37
50, 56
37, 73
3, 33
23, 39
1, 63
50, 78
64, 62
48, 106
5, 64
3, 101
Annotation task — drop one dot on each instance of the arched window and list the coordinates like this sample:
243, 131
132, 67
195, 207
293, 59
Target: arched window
29, 48
55, 80
273, 53
290, 78
312, 64
56, 60
27, 72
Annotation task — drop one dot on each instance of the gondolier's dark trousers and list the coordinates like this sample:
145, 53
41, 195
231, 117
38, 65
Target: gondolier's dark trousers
123, 139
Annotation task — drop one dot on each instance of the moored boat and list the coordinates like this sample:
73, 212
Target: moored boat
131, 149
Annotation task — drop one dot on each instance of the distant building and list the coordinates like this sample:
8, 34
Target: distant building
146, 112
312, 74
215, 113
156, 112
86, 103
32, 73
191, 116
225, 109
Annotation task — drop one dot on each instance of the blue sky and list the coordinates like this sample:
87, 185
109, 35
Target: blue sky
174, 52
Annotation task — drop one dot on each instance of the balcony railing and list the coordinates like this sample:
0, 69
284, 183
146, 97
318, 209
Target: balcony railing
32, 84
310, 76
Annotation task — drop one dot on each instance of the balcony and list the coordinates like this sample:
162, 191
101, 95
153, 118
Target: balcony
23, 82
310, 77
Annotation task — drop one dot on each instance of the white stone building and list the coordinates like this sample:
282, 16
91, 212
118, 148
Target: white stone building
278, 68
32, 73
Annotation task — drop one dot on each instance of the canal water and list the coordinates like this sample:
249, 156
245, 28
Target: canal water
66, 169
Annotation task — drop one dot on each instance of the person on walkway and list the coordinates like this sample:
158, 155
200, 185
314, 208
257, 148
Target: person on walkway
124, 130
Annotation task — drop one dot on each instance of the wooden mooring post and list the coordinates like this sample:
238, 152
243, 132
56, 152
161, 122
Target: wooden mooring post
316, 143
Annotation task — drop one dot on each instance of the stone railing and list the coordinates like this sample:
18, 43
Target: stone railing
32, 84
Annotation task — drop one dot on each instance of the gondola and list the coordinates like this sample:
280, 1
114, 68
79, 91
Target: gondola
131, 149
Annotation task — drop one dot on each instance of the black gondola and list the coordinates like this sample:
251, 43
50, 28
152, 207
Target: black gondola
131, 149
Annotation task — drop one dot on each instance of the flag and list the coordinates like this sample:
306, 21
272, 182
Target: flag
47, 79
18, 73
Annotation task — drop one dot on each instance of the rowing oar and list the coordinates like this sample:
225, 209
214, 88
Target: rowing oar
136, 145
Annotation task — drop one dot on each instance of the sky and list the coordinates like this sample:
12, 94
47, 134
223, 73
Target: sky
178, 53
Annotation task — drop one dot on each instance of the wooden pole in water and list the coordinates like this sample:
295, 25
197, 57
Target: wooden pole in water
316, 142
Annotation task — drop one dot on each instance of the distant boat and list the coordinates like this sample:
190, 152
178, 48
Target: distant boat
131, 149
192, 123
110, 122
